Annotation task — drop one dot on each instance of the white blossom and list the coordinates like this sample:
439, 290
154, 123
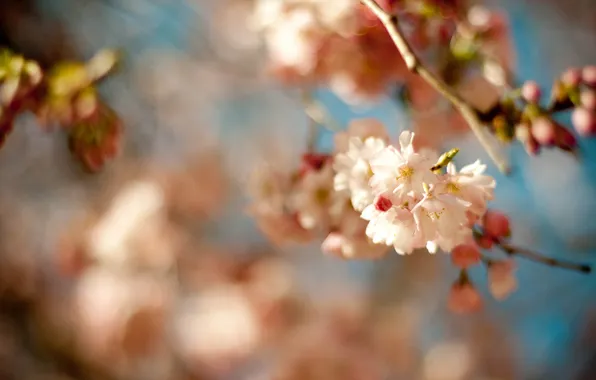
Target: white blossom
315, 200
353, 171
395, 226
293, 40
401, 171
471, 185
406, 204
442, 221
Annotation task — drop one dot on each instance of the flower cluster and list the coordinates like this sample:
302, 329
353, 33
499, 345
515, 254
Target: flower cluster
336, 43
64, 96
408, 201
303, 204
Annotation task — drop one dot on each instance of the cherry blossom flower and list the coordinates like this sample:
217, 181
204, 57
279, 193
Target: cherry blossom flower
403, 170
294, 40
464, 298
391, 226
350, 241
268, 188
471, 185
313, 41
501, 278
353, 171
465, 255
217, 328
442, 220
109, 309
315, 201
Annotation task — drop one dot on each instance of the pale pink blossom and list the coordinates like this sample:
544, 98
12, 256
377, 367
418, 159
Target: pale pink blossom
465, 255
294, 40
501, 278
464, 298
315, 201
392, 226
471, 185
268, 188
401, 170
217, 328
353, 171
109, 306
442, 221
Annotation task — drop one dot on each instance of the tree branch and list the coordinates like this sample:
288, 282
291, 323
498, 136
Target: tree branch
535, 256
413, 63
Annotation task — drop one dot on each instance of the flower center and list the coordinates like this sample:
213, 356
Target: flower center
405, 173
435, 215
383, 204
452, 188
370, 172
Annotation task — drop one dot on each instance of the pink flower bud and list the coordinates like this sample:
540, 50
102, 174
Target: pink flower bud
589, 75
501, 278
465, 255
496, 224
565, 139
572, 77
531, 92
485, 242
543, 130
464, 299
584, 121
588, 99
383, 203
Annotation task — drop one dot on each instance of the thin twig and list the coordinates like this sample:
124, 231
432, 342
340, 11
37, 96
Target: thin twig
313, 127
535, 256
413, 63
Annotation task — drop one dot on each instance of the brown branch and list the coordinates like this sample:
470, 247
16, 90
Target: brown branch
535, 256
413, 63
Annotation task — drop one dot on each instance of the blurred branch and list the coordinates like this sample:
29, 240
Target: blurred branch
537, 257
469, 113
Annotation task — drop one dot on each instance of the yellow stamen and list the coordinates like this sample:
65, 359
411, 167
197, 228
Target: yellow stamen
452, 188
405, 173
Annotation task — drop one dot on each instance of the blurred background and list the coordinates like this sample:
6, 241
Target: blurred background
196, 291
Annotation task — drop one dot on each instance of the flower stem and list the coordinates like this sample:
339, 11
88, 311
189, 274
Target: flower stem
537, 257
413, 63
